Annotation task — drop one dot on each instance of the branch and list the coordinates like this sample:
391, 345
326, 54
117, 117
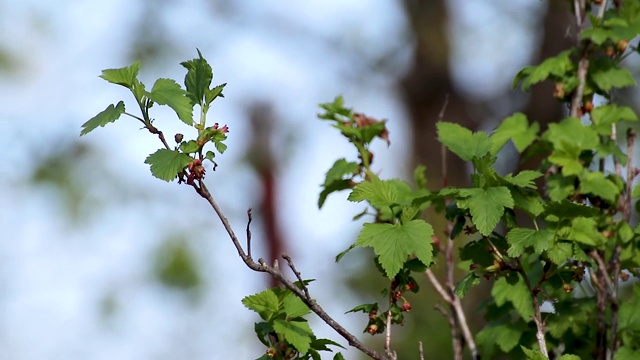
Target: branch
275, 272
537, 316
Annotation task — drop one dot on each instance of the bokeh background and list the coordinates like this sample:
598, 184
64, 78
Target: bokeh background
98, 260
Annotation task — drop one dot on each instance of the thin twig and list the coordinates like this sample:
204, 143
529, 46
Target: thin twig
537, 314
261, 266
420, 350
250, 218
297, 273
436, 284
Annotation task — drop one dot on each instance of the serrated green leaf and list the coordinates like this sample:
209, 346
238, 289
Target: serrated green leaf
521, 238
168, 92
108, 115
468, 281
166, 164
220, 146
190, 146
198, 79
560, 252
569, 357
294, 307
572, 131
629, 316
534, 354
486, 206
515, 291
567, 209
515, 128
339, 170
333, 187
524, 179
605, 116
554, 66
321, 344
462, 141
393, 243
125, 76
505, 335
296, 333
380, 194
607, 75
627, 353
212, 94
585, 231
529, 201
597, 35
265, 303
597, 184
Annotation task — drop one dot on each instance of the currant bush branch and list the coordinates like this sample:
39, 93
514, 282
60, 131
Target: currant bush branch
261, 266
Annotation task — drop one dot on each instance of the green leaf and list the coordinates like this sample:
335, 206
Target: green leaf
529, 201
220, 146
333, 187
605, 116
556, 66
607, 75
567, 209
338, 356
212, 94
296, 333
394, 243
585, 231
378, 193
505, 335
108, 115
486, 206
520, 239
597, 184
569, 138
629, 316
339, 170
190, 146
515, 291
469, 280
627, 353
265, 303
560, 252
294, 307
462, 141
198, 79
533, 354
125, 76
166, 164
569, 357
168, 92
524, 179
515, 128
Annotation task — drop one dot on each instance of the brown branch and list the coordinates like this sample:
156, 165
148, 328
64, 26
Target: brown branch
387, 337
249, 219
537, 315
261, 266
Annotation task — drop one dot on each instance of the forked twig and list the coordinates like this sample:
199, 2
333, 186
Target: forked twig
261, 266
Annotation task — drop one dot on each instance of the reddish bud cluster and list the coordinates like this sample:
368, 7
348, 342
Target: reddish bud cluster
196, 171
364, 121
